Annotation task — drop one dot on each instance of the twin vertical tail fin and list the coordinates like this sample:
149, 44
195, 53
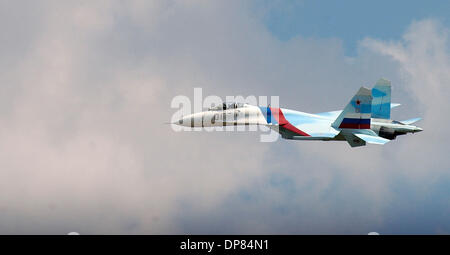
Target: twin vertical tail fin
354, 120
357, 113
381, 103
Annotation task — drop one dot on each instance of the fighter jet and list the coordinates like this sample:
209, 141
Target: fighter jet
365, 119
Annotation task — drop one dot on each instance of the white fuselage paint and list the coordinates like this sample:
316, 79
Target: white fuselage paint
247, 115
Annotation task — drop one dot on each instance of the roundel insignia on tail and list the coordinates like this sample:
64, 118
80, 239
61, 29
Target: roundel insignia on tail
357, 113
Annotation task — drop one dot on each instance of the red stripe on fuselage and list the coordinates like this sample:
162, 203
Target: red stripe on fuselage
279, 116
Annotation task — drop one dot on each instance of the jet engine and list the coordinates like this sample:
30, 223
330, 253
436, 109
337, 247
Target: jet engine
389, 133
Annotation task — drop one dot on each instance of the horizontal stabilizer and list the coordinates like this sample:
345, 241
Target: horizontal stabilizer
353, 140
410, 121
393, 105
359, 137
372, 139
335, 114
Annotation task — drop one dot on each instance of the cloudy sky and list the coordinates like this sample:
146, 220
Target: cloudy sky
85, 88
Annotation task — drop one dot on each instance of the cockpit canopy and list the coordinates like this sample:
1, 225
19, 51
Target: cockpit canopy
226, 106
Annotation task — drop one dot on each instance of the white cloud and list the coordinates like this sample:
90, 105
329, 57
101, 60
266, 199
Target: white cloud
424, 60
84, 148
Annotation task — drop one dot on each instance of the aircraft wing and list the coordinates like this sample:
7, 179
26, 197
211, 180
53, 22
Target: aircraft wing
334, 114
393, 105
410, 121
329, 115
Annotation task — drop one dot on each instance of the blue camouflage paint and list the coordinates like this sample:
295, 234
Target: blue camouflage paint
378, 93
363, 108
298, 118
381, 99
382, 111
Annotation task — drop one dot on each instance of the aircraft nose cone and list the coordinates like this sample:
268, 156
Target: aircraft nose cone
418, 129
184, 121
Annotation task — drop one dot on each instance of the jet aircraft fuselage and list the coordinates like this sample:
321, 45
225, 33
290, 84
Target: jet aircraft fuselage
365, 119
